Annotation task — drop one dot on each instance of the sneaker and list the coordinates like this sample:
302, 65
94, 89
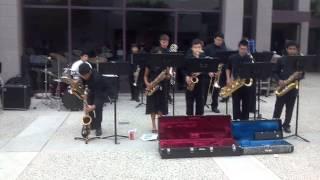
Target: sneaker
287, 129
99, 132
215, 110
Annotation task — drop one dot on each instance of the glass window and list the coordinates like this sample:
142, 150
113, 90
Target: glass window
248, 7
45, 30
45, 2
176, 4
197, 25
284, 4
146, 27
248, 28
97, 32
315, 8
111, 3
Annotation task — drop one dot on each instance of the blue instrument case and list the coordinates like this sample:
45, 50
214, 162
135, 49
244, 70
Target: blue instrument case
261, 137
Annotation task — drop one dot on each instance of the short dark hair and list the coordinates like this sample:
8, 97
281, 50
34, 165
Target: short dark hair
197, 41
83, 53
164, 37
243, 42
84, 69
219, 34
134, 45
291, 43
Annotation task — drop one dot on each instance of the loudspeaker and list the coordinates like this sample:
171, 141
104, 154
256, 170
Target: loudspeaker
16, 97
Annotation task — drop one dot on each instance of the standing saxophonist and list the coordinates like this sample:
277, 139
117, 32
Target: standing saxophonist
157, 103
194, 91
282, 71
96, 96
211, 50
242, 95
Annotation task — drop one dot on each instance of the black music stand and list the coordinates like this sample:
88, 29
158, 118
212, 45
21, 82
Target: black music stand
118, 69
173, 60
262, 56
257, 71
202, 65
298, 62
223, 56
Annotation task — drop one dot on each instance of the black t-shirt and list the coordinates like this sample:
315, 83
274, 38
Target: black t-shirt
97, 88
235, 61
212, 49
283, 69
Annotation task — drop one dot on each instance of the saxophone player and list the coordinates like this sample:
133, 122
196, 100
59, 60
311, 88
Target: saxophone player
282, 71
194, 94
241, 96
211, 50
157, 103
96, 96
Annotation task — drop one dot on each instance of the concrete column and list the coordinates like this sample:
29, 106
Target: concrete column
304, 5
10, 37
232, 22
263, 25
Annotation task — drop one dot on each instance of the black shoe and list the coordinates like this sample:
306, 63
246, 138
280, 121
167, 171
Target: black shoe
137, 100
215, 110
99, 132
287, 129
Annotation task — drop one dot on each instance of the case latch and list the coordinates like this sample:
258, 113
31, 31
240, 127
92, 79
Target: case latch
191, 150
211, 149
168, 150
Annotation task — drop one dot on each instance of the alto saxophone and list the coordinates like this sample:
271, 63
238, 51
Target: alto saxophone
194, 81
136, 76
289, 84
86, 119
155, 84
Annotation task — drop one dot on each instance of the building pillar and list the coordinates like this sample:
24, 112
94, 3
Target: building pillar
10, 38
304, 6
232, 22
264, 25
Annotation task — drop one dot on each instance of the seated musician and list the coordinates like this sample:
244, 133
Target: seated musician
194, 94
84, 57
282, 71
96, 96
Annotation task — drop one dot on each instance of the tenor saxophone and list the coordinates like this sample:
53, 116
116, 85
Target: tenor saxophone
229, 89
86, 119
289, 84
155, 84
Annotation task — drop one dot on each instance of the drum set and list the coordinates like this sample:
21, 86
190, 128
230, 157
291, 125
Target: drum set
60, 91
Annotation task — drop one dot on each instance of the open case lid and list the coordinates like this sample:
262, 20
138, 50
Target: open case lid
194, 127
257, 129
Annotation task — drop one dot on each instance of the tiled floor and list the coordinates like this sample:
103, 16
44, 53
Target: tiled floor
38, 144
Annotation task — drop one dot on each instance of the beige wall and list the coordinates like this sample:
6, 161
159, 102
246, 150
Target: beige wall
232, 22
10, 37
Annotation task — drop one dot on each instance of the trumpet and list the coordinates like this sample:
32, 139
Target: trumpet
136, 76
194, 81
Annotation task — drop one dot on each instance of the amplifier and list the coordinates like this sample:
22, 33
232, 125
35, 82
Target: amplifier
16, 97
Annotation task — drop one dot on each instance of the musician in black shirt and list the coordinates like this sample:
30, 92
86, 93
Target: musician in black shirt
211, 50
157, 103
242, 95
96, 95
195, 95
282, 71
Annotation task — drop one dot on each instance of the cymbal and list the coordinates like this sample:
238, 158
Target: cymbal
98, 60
